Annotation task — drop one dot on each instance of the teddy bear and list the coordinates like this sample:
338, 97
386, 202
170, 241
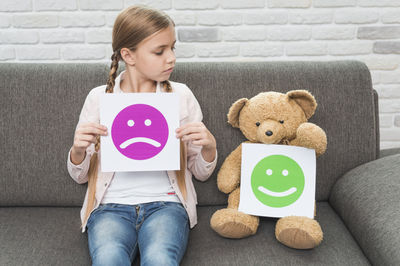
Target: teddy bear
270, 118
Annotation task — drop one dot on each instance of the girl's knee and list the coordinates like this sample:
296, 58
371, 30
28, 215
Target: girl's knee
162, 253
110, 255
162, 258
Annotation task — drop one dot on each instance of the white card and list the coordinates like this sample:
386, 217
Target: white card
277, 180
141, 132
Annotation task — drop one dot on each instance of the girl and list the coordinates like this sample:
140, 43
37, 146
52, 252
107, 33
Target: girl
146, 211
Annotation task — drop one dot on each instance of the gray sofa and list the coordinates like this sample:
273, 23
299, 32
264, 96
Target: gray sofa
358, 199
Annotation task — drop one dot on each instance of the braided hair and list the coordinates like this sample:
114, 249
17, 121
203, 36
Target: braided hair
179, 173
93, 167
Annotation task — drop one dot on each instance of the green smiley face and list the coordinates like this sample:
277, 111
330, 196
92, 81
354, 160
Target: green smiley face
277, 181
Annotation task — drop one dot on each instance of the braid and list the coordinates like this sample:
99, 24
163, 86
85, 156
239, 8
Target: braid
93, 171
179, 173
116, 56
97, 144
167, 86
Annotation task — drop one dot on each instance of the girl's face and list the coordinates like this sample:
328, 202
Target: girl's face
154, 57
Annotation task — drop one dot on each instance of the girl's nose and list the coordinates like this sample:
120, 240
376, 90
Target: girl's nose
171, 57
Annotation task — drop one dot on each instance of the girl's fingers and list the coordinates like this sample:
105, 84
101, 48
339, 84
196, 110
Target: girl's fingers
92, 131
194, 136
188, 131
191, 130
82, 144
199, 142
195, 124
92, 127
189, 125
197, 133
96, 125
86, 134
88, 138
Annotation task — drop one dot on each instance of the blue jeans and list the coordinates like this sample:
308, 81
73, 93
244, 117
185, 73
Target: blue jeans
159, 230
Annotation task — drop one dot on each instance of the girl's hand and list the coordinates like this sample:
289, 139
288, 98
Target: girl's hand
199, 135
85, 135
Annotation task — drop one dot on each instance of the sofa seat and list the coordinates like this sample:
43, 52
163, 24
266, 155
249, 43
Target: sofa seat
207, 248
37, 236
51, 236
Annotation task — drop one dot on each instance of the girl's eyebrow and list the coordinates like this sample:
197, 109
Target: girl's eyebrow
162, 46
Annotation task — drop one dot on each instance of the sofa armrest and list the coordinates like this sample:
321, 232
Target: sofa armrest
367, 199
387, 152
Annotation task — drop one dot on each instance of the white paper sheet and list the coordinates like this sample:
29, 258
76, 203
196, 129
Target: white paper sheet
277, 180
141, 132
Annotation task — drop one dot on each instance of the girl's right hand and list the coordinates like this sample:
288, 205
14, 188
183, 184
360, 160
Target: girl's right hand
85, 135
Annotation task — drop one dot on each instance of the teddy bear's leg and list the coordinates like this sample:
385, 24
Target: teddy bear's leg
231, 223
298, 232
233, 199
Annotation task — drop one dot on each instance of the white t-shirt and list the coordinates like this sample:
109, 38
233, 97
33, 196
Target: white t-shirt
139, 187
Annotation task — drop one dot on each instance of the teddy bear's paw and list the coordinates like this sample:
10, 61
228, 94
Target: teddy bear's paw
311, 136
231, 223
298, 232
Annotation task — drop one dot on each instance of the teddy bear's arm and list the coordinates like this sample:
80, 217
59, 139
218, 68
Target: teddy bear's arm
229, 175
310, 136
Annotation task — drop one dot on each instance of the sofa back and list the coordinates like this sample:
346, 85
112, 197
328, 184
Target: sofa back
40, 105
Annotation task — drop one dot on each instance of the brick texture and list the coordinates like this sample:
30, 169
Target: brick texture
223, 30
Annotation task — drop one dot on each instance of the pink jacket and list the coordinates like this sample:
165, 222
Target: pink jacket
189, 112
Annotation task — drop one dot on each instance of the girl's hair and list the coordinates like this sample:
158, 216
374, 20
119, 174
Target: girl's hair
132, 25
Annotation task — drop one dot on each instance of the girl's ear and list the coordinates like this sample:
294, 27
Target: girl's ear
305, 100
128, 56
234, 111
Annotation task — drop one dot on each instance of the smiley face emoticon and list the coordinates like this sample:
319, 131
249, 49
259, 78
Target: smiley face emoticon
277, 181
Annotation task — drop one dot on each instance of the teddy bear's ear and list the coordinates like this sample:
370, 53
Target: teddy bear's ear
305, 100
233, 114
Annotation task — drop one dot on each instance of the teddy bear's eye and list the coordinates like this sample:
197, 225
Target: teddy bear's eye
281, 121
258, 124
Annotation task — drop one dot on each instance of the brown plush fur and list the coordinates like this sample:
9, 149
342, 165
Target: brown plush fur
285, 115
298, 231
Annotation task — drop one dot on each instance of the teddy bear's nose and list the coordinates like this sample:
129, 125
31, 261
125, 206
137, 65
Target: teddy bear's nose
269, 133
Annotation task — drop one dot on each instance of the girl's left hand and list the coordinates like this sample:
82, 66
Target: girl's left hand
199, 135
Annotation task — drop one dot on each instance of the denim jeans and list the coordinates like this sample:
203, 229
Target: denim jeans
159, 230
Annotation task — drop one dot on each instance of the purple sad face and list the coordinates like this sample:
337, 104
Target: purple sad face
139, 131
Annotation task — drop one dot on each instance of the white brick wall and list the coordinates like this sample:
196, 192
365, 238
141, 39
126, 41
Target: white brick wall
223, 30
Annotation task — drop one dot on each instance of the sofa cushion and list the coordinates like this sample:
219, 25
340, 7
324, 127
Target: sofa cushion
40, 109
41, 104
51, 236
367, 199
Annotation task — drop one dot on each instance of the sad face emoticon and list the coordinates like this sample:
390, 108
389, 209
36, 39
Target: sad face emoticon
277, 181
139, 131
